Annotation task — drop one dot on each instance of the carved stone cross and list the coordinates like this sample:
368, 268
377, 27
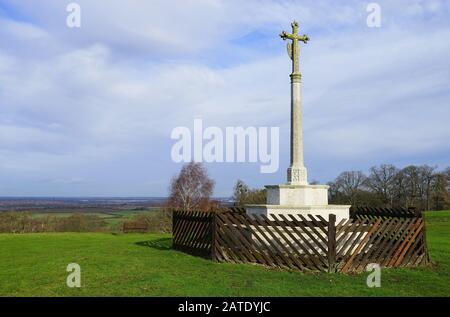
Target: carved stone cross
296, 174
293, 48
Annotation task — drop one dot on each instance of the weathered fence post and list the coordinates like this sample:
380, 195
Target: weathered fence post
213, 236
331, 243
174, 219
424, 239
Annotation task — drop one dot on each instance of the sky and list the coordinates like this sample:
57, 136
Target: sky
89, 111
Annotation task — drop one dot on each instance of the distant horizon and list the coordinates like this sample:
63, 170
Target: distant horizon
97, 197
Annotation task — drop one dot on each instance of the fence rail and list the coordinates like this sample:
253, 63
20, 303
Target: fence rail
306, 243
364, 212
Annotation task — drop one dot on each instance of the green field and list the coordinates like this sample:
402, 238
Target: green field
113, 218
145, 265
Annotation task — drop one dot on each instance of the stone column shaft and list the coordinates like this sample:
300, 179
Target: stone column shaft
296, 172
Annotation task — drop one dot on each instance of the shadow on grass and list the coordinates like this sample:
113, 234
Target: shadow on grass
163, 244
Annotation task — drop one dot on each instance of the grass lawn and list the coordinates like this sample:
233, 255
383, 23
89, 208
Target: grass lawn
144, 265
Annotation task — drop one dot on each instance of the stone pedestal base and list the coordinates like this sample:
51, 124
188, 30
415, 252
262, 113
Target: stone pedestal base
341, 211
299, 199
297, 195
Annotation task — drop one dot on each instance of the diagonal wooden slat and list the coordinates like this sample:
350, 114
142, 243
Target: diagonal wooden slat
235, 235
402, 240
273, 240
296, 247
266, 244
309, 257
196, 229
361, 245
306, 229
388, 242
415, 250
396, 239
366, 253
315, 254
265, 259
321, 235
288, 241
345, 229
191, 232
223, 244
415, 231
191, 229
320, 224
356, 234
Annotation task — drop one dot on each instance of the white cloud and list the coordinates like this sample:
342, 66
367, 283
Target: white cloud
101, 103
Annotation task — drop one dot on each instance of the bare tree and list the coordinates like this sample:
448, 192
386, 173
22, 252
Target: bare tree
410, 189
426, 176
334, 194
440, 193
447, 172
416, 189
240, 191
243, 195
400, 191
382, 182
192, 188
350, 183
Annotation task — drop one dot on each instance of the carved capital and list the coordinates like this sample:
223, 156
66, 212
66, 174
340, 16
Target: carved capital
296, 77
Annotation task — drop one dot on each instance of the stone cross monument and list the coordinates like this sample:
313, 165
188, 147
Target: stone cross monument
296, 173
297, 196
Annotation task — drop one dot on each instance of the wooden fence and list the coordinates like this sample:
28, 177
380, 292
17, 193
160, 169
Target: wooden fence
192, 232
369, 212
307, 243
134, 227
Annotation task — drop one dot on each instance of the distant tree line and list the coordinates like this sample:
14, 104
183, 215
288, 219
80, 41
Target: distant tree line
423, 187
157, 221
